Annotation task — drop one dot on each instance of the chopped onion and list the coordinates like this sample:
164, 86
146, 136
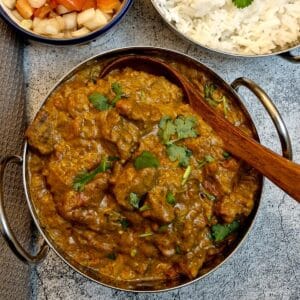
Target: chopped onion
47, 26
85, 16
61, 23
37, 3
107, 16
60, 35
9, 3
61, 10
98, 21
16, 14
37, 25
70, 21
27, 24
52, 26
82, 31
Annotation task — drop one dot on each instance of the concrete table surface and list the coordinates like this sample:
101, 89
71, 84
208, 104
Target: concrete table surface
267, 266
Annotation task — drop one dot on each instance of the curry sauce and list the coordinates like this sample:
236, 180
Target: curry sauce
131, 183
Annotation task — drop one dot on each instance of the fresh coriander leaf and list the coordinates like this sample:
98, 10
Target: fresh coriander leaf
180, 153
242, 3
149, 233
207, 159
170, 198
180, 128
209, 196
144, 208
146, 160
124, 223
209, 90
185, 127
220, 232
117, 89
112, 256
83, 178
99, 101
105, 165
166, 129
209, 95
163, 228
226, 155
225, 106
133, 252
177, 249
113, 158
186, 175
134, 200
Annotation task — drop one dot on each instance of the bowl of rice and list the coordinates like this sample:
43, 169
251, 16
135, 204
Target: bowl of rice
248, 28
63, 22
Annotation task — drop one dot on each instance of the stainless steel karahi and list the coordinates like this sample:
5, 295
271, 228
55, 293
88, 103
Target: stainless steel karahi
285, 53
22, 160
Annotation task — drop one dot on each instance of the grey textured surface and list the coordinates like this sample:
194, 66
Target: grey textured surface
267, 266
14, 275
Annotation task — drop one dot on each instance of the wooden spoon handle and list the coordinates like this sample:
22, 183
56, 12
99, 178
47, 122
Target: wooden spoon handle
283, 172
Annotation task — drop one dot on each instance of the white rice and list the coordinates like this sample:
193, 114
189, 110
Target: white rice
261, 28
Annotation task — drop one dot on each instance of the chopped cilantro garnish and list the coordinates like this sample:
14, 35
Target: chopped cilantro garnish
220, 232
124, 223
170, 198
226, 155
180, 128
242, 3
171, 131
207, 159
85, 177
145, 207
117, 89
102, 103
133, 252
180, 153
134, 200
225, 106
112, 256
99, 101
209, 196
209, 90
177, 249
163, 228
149, 233
212, 100
185, 127
186, 175
146, 160
166, 129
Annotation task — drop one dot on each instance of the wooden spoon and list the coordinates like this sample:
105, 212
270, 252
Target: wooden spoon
281, 171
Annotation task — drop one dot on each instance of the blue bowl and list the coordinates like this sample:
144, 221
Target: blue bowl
66, 41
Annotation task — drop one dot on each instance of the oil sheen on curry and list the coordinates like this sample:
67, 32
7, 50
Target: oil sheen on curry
131, 183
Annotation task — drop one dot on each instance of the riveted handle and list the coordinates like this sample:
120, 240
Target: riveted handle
290, 57
6, 231
273, 112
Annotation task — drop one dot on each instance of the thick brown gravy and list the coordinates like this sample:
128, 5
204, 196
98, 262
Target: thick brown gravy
130, 183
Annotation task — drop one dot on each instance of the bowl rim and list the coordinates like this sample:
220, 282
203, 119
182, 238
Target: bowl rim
25, 175
63, 41
232, 54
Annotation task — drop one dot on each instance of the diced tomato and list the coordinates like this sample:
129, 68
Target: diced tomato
89, 4
108, 5
72, 4
53, 3
42, 12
